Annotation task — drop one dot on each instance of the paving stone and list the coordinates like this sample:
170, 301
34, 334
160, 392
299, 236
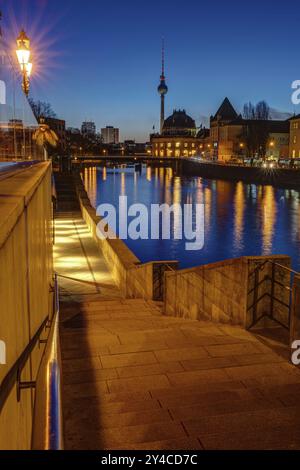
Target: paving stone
232, 350
212, 409
99, 405
75, 365
191, 397
130, 359
244, 423
191, 378
146, 383
179, 390
140, 371
87, 417
209, 363
85, 376
137, 347
257, 370
124, 436
176, 444
289, 439
180, 354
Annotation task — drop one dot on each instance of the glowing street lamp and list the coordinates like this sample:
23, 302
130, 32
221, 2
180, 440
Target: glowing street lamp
23, 55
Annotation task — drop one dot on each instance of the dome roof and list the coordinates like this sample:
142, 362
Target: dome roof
179, 120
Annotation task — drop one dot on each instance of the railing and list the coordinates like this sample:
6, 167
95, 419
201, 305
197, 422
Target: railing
284, 288
15, 373
159, 270
48, 422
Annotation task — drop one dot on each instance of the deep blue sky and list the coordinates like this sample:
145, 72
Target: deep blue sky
100, 60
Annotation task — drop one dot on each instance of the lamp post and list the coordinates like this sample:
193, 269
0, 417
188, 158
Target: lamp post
23, 54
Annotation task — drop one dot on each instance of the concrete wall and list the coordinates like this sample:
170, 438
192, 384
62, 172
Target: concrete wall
221, 292
25, 278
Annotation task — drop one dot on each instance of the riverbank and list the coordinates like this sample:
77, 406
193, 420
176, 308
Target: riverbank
277, 177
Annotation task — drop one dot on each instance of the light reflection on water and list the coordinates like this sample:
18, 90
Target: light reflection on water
240, 219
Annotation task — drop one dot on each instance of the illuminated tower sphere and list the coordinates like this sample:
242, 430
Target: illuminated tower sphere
162, 90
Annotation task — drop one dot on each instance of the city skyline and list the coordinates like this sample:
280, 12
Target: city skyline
105, 63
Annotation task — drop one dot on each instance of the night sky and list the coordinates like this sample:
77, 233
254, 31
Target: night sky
101, 60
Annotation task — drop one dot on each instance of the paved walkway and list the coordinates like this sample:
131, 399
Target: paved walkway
135, 379
77, 258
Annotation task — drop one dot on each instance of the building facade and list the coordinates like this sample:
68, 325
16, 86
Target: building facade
233, 137
110, 135
294, 144
178, 137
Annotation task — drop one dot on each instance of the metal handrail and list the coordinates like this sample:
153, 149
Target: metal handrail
261, 266
272, 295
47, 420
14, 373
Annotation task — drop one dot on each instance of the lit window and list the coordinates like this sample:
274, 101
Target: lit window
169, 145
295, 139
177, 144
193, 145
185, 144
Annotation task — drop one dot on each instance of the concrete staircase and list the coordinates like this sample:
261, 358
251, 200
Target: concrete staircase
136, 379
67, 200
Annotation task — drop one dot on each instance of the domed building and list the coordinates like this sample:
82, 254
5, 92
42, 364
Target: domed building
179, 123
178, 136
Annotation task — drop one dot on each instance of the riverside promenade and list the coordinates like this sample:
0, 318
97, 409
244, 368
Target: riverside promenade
136, 379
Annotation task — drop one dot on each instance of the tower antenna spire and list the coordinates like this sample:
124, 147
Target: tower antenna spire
162, 88
163, 57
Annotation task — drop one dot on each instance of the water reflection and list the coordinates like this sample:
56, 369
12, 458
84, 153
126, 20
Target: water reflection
240, 219
239, 202
269, 212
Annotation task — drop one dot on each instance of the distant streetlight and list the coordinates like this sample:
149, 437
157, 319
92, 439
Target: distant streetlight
272, 144
23, 54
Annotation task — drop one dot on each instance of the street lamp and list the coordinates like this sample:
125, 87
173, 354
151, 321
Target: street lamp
23, 55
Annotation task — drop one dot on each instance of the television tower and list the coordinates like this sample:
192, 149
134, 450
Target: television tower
162, 89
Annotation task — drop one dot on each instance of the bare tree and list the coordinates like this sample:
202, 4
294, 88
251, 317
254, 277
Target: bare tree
260, 111
41, 109
249, 111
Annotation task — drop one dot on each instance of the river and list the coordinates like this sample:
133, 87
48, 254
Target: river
239, 219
